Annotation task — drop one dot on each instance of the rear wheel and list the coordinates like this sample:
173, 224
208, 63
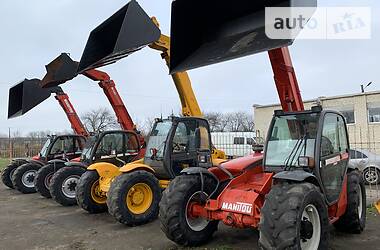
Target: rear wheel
88, 193
23, 178
353, 220
133, 198
175, 218
371, 176
6, 175
43, 179
294, 216
64, 184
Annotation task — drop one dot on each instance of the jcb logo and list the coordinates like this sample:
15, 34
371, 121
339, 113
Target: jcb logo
241, 207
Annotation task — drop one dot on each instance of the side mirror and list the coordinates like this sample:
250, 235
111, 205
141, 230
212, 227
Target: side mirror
306, 162
154, 152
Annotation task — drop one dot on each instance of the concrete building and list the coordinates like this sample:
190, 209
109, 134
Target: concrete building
362, 113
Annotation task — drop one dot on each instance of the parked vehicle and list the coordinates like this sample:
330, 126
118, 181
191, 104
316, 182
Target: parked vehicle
236, 144
368, 163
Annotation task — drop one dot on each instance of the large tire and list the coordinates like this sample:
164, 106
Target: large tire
23, 178
371, 176
64, 183
43, 178
173, 211
6, 174
87, 197
353, 220
294, 216
133, 198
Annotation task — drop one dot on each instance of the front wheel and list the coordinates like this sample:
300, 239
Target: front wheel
43, 179
64, 183
371, 176
89, 195
6, 175
353, 220
175, 218
294, 216
133, 198
23, 178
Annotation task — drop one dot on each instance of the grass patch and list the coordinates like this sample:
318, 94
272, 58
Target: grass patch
3, 163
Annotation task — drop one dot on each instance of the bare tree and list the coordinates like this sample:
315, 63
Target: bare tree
98, 120
215, 120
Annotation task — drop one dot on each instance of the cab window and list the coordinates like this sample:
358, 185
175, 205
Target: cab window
110, 144
184, 137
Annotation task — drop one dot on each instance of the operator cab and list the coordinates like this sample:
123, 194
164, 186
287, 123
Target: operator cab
65, 147
117, 147
176, 143
315, 142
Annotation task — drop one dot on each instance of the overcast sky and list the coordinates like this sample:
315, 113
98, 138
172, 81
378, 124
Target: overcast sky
35, 32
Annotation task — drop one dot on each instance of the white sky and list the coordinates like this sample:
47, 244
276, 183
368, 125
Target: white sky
35, 32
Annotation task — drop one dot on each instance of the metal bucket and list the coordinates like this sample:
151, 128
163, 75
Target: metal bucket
25, 95
60, 70
205, 32
125, 32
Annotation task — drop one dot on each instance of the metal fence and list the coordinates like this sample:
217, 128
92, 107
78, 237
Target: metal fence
20, 147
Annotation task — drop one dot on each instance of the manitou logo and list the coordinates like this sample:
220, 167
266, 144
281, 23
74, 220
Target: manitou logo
238, 207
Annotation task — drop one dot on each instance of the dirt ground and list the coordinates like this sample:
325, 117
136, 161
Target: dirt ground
33, 222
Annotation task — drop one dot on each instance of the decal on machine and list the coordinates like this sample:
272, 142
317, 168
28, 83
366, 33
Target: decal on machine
241, 207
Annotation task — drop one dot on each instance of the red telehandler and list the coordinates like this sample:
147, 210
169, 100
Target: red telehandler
20, 174
302, 182
59, 181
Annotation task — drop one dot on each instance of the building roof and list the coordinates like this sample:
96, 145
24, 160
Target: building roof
323, 98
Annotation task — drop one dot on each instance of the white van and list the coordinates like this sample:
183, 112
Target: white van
236, 144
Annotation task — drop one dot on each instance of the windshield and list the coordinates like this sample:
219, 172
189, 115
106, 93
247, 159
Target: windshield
45, 147
87, 150
157, 138
292, 136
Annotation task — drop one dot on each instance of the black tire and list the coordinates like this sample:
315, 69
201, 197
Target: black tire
43, 178
6, 174
27, 171
282, 217
353, 220
173, 212
376, 173
116, 197
83, 193
58, 181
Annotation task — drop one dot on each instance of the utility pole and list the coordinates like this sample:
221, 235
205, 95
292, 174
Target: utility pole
363, 88
10, 144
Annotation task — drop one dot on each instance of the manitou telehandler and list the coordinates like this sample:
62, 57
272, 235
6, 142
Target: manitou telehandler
302, 182
59, 181
133, 192
20, 174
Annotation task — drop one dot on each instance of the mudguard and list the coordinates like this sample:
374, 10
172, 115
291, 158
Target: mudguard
107, 172
57, 161
296, 175
136, 165
198, 171
40, 163
76, 164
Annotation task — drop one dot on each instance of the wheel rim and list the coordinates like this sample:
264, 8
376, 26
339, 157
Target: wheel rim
371, 176
27, 178
360, 203
195, 223
139, 198
97, 194
69, 185
47, 180
310, 228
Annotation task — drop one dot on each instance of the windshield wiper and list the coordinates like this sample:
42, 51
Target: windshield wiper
289, 160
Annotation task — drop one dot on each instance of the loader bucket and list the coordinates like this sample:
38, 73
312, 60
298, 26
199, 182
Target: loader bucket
125, 32
24, 96
205, 32
60, 70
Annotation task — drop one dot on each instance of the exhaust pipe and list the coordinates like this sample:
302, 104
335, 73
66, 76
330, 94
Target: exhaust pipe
25, 95
128, 30
60, 70
220, 32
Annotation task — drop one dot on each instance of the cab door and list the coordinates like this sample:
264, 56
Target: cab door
333, 155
